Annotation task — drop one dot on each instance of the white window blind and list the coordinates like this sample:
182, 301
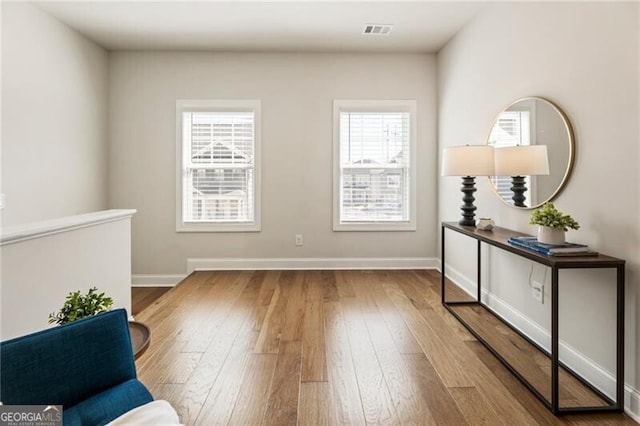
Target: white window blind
374, 169
218, 173
513, 128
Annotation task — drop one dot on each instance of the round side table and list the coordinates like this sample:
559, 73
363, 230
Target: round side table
140, 337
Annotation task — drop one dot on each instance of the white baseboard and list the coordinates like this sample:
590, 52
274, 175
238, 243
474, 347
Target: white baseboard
232, 264
144, 280
239, 264
632, 403
580, 363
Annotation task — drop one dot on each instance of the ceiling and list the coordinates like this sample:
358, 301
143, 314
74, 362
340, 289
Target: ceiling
310, 26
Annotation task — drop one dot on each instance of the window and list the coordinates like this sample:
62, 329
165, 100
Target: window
512, 128
374, 165
218, 151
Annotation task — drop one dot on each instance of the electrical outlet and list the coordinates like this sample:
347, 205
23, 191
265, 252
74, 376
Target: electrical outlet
537, 291
298, 239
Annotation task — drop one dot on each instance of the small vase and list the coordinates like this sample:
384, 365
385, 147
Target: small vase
485, 224
547, 235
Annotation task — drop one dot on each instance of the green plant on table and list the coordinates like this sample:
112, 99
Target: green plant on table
548, 215
78, 305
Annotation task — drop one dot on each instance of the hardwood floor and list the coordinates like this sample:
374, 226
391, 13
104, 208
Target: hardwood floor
141, 297
329, 348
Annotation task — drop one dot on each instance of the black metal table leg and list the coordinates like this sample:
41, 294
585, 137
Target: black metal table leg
442, 266
479, 270
620, 338
554, 342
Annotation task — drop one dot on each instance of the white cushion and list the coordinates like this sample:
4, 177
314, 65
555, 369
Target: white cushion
155, 413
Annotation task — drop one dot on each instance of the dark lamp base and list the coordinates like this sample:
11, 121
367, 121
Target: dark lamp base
468, 209
518, 188
467, 222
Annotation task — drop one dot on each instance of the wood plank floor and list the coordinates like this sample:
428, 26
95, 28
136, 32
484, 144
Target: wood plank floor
531, 362
141, 297
328, 348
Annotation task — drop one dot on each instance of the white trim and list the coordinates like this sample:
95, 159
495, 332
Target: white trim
149, 280
407, 105
632, 403
219, 227
375, 226
226, 264
253, 105
43, 228
582, 364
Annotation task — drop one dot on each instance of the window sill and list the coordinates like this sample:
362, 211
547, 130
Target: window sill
374, 227
218, 227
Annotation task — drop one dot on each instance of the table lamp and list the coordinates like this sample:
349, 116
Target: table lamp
468, 161
518, 162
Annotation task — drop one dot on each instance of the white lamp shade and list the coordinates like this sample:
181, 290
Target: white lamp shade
468, 160
522, 160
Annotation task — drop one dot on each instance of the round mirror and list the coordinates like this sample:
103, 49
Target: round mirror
534, 152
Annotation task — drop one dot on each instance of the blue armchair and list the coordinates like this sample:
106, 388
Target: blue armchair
86, 366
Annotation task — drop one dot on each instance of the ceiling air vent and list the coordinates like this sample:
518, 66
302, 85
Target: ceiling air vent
377, 29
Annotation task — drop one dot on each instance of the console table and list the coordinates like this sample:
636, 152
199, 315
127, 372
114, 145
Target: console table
498, 237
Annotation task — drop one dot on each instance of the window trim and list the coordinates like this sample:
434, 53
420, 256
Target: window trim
196, 105
407, 105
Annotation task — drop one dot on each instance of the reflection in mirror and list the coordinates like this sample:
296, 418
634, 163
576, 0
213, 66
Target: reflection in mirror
528, 175
521, 162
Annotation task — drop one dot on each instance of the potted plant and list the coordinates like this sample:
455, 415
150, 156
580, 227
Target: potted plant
78, 305
552, 224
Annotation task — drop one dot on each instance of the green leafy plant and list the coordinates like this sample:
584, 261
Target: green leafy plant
78, 305
548, 215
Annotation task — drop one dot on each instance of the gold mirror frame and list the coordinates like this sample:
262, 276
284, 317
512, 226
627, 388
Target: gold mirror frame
570, 140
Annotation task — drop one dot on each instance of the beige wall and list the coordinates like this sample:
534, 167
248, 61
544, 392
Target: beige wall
297, 93
583, 56
54, 115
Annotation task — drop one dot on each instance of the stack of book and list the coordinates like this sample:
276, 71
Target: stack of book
566, 249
